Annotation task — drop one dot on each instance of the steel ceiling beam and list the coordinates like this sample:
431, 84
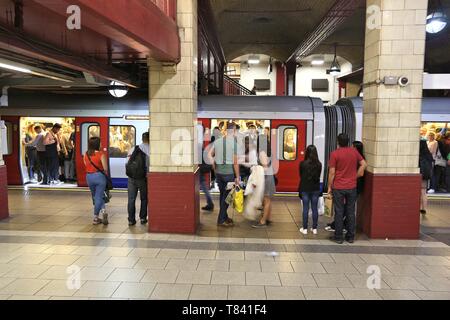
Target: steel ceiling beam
339, 12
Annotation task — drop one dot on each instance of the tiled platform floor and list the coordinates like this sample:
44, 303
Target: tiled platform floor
49, 241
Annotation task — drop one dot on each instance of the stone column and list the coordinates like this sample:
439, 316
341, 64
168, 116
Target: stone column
173, 180
392, 116
4, 212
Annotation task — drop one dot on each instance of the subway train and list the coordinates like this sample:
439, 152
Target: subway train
294, 123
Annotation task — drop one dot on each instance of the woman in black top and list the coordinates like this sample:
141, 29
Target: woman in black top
309, 188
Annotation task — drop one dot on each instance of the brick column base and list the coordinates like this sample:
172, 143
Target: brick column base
391, 207
4, 211
174, 202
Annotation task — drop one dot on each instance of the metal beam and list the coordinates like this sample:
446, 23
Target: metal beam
339, 12
138, 24
32, 48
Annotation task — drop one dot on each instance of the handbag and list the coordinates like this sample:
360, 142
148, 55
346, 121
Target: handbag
328, 207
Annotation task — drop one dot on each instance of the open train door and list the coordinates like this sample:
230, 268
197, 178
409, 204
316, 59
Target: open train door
87, 128
289, 151
12, 158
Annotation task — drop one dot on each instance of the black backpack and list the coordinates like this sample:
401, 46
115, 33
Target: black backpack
426, 167
136, 167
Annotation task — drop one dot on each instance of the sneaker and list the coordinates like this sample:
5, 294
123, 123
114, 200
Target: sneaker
208, 208
105, 217
225, 224
329, 229
259, 225
314, 231
423, 211
350, 240
230, 221
338, 241
304, 231
144, 221
431, 191
131, 223
268, 222
97, 221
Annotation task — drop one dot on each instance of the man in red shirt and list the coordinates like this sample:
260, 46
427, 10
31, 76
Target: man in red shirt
346, 165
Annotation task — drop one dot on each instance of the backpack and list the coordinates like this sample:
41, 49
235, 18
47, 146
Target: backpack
426, 167
136, 166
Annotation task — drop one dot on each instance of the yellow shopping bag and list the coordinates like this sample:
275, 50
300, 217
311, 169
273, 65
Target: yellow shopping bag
328, 212
238, 202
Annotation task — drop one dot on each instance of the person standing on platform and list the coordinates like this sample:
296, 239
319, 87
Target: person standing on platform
137, 168
426, 170
309, 188
96, 166
223, 156
52, 148
30, 154
342, 183
206, 169
38, 143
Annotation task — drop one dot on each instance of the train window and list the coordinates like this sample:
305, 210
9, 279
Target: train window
287, 143
9, 139
94, 131
122, 139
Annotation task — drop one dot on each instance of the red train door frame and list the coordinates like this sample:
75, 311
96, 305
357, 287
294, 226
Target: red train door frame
13, 161
288, 172
81, 138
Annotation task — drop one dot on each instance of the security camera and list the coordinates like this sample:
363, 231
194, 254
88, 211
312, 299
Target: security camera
403, 81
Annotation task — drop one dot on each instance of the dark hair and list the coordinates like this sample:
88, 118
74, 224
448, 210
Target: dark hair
146, 137
37, 127
252, 126
312, 160
216, 128
231, 126
57, 126
358, 145
238, 127
343, 140
93, 145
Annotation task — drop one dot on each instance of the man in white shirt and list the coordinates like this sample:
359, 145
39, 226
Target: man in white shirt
38, 143
139, 182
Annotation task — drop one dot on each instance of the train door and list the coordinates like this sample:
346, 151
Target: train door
290, 151
124, 135
87, 128
12, 158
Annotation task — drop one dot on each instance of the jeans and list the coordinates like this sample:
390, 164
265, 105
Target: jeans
97, 185
438, 178
135, 185
344, 206
205, 189
313, 199
52, 167
42, 158
69, 169
447, 177
222, 181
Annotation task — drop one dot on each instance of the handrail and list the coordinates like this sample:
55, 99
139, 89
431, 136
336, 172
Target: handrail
232, 87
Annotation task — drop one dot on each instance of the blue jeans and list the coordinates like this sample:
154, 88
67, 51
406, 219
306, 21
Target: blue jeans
313, 199
222, 181
135, 185
97, 184
344, 202
205, 189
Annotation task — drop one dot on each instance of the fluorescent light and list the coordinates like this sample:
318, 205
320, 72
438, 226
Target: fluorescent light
436, 22
318, 61
14, 68
253, 60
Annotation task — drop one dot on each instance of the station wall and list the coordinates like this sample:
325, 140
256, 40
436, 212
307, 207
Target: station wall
259, 71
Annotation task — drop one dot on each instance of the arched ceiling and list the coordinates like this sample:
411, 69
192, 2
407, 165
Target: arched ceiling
277, 27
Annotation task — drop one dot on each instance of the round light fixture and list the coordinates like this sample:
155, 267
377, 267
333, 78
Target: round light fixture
118, 90
436, 22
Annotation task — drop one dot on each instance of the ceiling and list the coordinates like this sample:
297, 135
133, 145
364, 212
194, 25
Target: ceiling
277, 27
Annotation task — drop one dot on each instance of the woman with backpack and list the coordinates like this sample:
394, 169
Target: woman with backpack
96, 167
309, 188
426, 170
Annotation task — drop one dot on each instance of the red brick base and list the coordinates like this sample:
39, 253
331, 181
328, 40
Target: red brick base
391, 206
4, 211
174, 202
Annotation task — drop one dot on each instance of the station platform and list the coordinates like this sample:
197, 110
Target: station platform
51, 231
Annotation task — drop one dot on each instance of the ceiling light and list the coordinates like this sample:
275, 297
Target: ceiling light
436, 22
253, 59
14, 68
119, 89
335, 68
318, 61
